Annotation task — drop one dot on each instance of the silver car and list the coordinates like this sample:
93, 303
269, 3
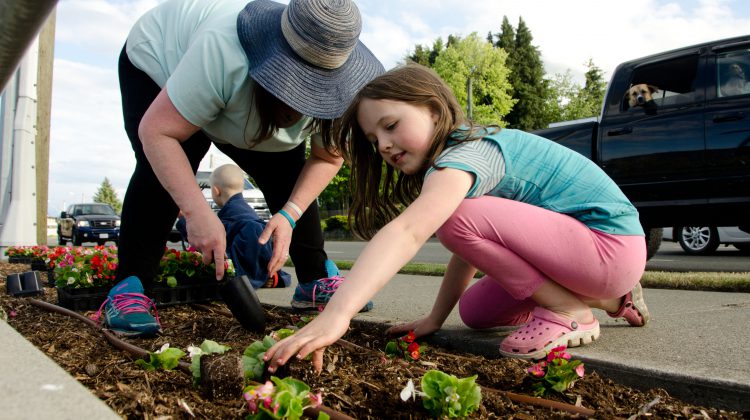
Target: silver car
703, 240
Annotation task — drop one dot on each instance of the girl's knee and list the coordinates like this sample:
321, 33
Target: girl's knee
459, 224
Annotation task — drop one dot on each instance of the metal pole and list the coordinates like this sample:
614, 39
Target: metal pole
20, 21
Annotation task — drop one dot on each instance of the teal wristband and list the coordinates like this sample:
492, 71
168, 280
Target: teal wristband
288, 217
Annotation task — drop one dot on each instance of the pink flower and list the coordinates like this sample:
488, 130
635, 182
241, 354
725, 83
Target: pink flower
538, 369
558, 353
315, 399
580, 370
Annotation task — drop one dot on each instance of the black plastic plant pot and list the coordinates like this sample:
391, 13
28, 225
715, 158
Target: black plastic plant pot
240, 297
24, 284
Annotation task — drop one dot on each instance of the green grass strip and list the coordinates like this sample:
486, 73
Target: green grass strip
704, 281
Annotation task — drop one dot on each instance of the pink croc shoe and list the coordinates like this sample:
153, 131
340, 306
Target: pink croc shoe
633, 308
545, 331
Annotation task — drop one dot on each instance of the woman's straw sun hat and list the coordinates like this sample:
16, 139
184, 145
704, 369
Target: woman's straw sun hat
307, 53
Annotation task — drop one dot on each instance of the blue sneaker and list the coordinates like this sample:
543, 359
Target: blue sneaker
316, 294
127, 311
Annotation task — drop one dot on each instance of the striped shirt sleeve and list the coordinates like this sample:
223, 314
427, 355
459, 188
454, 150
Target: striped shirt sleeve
482, 158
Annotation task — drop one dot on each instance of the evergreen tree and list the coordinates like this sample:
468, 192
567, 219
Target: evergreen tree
426, 56
106, 194
527, 78
506, 37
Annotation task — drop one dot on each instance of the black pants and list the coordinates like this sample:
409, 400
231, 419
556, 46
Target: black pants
148, 211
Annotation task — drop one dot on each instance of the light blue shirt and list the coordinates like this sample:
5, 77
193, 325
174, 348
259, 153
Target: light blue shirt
524, 167
192, 48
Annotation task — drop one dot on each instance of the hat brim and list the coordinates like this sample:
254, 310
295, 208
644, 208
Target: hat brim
311, 90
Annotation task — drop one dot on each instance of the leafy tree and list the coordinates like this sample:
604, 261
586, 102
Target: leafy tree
336, 196
527, 76
473, 58
570, 101
106, 194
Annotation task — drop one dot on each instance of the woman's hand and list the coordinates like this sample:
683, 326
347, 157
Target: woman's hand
313, 338
281, 231
421, 327
206, 233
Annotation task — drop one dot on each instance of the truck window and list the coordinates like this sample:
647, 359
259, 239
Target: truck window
675, 80
732, 70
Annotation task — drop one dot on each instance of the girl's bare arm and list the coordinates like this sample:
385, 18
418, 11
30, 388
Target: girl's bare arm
390, 249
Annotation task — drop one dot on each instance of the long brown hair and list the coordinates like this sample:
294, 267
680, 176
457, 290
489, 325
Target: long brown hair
380, 192
265, 106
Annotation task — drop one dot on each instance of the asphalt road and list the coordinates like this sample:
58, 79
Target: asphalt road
670, 257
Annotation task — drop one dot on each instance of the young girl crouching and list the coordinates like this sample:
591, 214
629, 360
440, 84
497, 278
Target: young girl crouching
552, 233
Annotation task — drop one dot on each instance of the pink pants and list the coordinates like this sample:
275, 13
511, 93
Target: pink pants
518, 246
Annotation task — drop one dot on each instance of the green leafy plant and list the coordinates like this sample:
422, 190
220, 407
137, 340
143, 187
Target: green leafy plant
165, 358
206, 347
176, 264
405, 347
252, 357
556, 373
281, 399
445, 395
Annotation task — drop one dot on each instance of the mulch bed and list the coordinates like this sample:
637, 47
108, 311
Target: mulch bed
360, 383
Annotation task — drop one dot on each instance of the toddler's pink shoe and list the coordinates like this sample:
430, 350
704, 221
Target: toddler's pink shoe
545, 331
633, 308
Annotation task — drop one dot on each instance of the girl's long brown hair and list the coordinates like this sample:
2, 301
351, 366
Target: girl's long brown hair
379, 191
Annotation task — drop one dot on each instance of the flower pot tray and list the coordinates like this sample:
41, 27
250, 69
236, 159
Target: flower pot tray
37, 264
186, 291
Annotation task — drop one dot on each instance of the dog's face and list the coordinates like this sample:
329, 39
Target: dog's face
736, 71
640, 94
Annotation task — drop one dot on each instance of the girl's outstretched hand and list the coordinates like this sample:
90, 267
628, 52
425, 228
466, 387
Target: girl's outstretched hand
421, 327
313, 338
281, 231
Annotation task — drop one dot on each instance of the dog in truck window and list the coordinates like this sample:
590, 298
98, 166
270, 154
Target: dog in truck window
641, 95
734, 83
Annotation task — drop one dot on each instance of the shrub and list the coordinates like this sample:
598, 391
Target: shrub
335, 223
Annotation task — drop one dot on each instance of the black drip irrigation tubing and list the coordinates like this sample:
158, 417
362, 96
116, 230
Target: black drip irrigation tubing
518, 398
137, 351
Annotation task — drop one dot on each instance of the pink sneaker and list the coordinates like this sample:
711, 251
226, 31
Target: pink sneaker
545, 331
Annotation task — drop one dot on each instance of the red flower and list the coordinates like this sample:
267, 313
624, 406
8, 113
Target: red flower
409, 338
413, 350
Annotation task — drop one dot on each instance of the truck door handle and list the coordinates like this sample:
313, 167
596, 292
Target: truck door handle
620, 131
732, 116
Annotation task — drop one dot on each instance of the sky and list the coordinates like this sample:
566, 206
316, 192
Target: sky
88, 143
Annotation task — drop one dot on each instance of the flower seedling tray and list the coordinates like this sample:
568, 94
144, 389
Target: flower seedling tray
186, 291
82, 299
190, 290
39, 265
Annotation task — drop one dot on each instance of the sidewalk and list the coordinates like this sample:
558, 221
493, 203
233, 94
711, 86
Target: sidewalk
695, 347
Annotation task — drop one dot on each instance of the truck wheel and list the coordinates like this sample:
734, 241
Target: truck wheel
697, 240
76, 239
653, 241
60, 240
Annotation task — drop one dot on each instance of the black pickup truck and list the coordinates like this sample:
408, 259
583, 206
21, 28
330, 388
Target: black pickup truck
682, 155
